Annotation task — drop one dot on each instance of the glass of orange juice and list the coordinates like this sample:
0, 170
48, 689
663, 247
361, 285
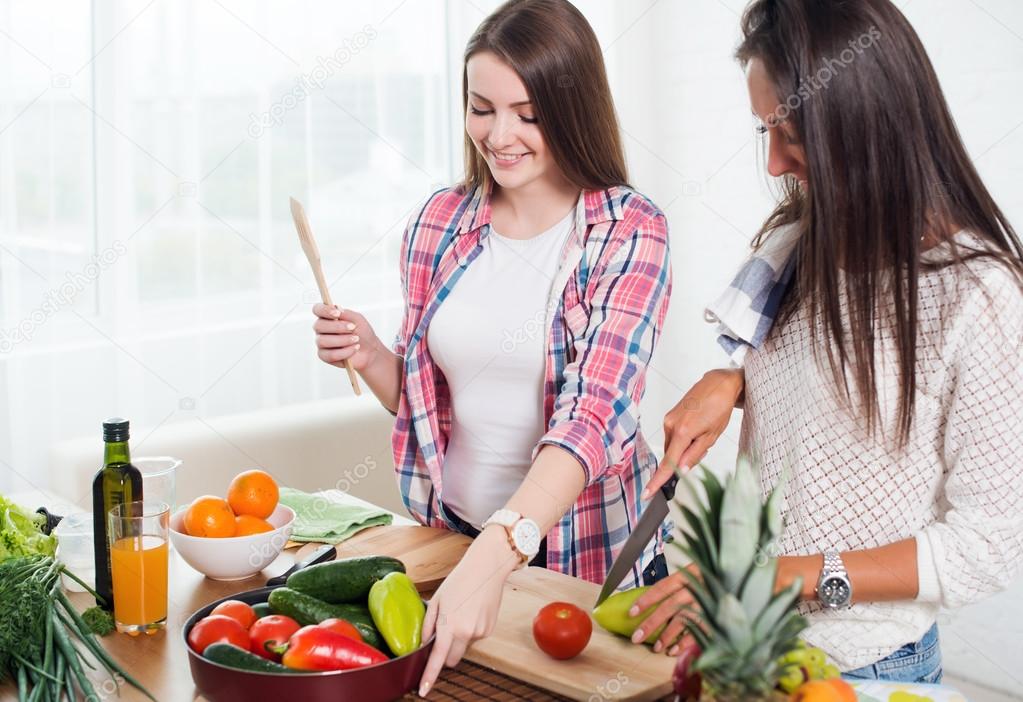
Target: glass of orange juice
138, 565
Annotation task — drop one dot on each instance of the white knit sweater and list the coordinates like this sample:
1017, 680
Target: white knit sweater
958, 484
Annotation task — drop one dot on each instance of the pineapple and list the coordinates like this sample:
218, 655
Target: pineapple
741, 626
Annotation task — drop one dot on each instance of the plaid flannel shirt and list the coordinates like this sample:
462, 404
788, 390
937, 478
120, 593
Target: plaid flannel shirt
606, 310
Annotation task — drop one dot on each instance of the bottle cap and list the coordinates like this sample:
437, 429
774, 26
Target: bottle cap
115, 429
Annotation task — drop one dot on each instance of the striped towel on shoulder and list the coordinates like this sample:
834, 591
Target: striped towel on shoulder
745, 311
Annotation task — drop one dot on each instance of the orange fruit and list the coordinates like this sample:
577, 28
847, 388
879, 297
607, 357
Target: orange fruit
253, 492
209, 516
834, 690
845, 691
246, 524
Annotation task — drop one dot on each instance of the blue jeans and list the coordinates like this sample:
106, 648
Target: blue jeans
918, 662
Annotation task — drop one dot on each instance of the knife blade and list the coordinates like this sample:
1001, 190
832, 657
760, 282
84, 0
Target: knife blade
324, 553
647, 526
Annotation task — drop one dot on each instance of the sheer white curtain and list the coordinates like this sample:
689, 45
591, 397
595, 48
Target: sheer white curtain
148, 264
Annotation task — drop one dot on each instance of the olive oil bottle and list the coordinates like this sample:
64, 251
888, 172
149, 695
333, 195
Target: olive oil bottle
117, 482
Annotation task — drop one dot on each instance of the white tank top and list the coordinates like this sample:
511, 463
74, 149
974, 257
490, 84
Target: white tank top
488, 338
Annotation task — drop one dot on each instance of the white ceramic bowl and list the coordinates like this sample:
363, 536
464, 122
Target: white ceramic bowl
235, 557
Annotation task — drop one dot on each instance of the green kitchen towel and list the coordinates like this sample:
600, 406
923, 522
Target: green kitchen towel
329, 520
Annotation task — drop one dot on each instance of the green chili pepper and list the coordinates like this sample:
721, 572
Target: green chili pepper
398, 612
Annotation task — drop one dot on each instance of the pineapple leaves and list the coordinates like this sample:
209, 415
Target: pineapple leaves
733, 620
780, 604
740, 525
759, 587
714, 656
772, 511
741, 625
715, 494
707, 611
711, 582
702, 541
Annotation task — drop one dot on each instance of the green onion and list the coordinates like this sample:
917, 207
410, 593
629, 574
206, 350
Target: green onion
37, 638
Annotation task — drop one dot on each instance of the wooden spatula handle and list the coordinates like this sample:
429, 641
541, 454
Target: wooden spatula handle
312, 253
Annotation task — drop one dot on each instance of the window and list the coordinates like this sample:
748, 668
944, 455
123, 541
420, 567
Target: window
149, 266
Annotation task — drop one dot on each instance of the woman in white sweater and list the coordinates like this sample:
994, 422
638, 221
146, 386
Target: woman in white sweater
878, 334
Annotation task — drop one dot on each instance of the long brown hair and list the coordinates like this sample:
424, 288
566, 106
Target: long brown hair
886, 168
553, 49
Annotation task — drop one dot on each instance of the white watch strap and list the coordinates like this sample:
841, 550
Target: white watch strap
504, 517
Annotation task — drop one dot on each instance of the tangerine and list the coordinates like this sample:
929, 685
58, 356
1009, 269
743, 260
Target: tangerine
253, 492
209, 517
833, 690
246, 524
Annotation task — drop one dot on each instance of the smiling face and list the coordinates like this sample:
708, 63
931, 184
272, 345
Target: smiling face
786, 155
500, 121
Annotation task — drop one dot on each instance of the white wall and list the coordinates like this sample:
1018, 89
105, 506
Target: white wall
682, 101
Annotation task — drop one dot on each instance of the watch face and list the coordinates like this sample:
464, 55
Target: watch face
834, 592
527, 536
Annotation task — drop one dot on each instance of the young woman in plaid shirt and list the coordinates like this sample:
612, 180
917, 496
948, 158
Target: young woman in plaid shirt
534, 292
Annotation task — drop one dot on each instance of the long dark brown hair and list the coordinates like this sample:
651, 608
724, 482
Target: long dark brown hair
553, 49
887, 169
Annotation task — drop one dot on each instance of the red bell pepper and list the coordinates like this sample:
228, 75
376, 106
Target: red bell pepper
315, 648
342, 627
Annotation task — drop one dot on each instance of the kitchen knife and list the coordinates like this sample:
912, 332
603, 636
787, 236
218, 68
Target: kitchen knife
324, 553
647, 526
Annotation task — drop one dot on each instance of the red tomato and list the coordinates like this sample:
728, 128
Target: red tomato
272, 630
562, 630
341, 627
217, 628
236, 609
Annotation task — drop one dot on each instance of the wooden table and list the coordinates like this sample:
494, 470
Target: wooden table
160, 661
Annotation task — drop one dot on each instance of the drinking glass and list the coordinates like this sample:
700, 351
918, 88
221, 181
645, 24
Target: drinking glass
137, 533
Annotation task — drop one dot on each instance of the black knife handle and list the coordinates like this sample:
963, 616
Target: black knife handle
324, 553
669, 487
52, 520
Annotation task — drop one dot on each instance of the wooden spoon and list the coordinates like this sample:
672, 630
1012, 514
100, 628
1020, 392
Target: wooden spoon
312, 252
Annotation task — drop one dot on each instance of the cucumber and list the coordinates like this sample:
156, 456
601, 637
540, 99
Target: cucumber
263, 609
234, 657
347, 580
307, 610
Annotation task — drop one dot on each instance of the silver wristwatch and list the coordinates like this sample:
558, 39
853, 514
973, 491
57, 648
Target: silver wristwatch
834, 590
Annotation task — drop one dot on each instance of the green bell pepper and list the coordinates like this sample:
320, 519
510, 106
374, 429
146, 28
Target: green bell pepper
613, 614
398, 612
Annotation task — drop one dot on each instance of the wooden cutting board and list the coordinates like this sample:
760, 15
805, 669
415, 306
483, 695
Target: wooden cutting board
610, 668
428, 554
